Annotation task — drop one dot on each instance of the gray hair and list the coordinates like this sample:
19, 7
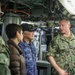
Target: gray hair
66, 20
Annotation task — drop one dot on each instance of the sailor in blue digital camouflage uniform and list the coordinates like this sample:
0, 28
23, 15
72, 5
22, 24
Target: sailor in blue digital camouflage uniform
62, 50
28, 49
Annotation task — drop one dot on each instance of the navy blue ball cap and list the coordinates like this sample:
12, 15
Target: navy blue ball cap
28, 27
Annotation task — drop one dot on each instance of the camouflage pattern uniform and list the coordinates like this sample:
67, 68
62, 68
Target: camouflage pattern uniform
63, 51
29, 53
4, 58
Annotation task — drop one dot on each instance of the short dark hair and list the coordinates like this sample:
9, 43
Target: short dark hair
11, 30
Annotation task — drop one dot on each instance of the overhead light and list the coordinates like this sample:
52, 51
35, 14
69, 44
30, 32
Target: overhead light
69, 5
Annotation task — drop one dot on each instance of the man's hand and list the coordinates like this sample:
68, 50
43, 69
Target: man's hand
62, 72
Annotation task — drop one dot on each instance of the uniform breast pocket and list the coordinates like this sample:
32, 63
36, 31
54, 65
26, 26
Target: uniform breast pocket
28, 54
62, 48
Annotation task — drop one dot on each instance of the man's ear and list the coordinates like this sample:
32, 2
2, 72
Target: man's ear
17, 33
70, 25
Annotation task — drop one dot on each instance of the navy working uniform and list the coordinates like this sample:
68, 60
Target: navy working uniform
29, 53
4, 58
63, 51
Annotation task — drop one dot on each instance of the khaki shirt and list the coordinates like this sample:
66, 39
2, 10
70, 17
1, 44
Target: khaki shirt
63, 51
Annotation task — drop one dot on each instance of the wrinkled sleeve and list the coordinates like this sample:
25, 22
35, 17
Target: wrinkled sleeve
52, 48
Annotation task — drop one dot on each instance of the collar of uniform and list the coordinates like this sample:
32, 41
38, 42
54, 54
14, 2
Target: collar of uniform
72, 37
24, 42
